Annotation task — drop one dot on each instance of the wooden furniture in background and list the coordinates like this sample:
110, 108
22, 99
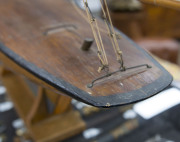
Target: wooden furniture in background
167, 49
151, 21
129, 23
161, 22
174, 4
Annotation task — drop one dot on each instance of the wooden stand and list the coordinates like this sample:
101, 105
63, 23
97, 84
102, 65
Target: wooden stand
43, 125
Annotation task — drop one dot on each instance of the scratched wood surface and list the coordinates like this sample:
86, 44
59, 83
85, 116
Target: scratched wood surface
45, 38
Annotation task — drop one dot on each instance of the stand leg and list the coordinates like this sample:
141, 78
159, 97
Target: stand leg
43, 126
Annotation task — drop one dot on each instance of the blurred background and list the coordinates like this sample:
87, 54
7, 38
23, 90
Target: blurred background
157, 30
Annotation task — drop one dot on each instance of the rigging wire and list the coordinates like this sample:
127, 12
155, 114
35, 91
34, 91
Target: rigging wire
111, 32
98, 38
97, 34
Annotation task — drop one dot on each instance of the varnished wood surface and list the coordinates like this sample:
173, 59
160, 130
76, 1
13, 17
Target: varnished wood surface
58, 128
57, 59
174, 4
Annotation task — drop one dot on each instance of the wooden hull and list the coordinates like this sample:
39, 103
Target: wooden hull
44, 37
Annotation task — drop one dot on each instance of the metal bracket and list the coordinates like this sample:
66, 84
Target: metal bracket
90, 85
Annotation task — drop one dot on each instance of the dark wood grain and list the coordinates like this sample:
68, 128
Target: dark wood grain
27, 37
